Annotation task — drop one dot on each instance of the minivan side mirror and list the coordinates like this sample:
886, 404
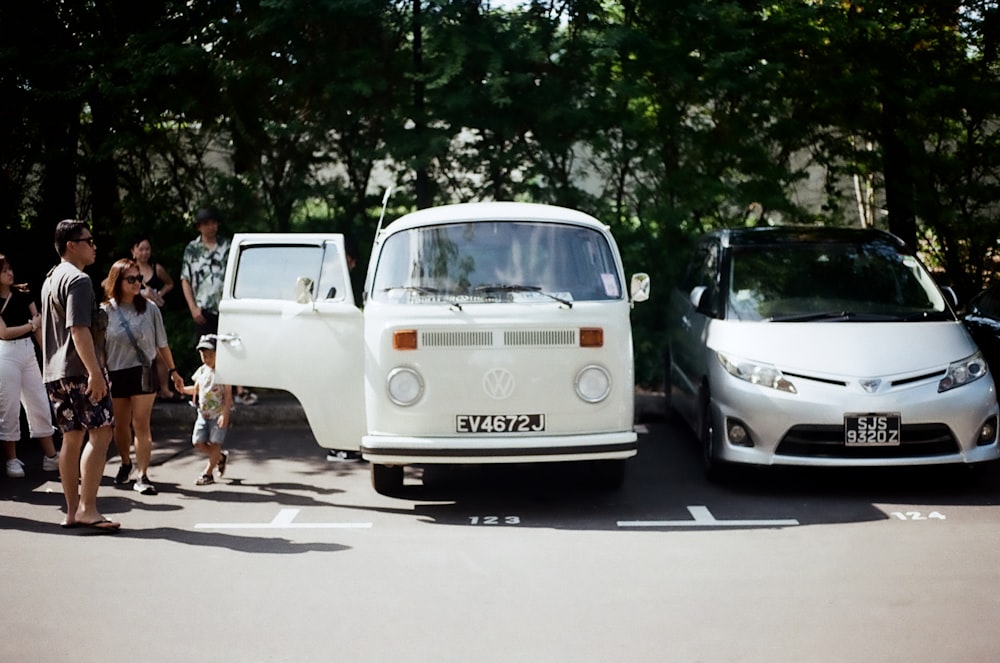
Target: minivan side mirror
696, 295
701, 300
639, 288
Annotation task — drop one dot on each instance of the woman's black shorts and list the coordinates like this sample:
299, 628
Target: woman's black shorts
127, 383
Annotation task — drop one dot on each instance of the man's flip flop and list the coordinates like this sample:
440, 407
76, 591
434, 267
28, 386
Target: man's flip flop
98, 526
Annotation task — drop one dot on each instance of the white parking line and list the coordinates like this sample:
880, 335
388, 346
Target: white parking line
704, 518
284, 520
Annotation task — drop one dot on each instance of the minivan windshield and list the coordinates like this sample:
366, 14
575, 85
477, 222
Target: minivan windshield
496, 261
830, 281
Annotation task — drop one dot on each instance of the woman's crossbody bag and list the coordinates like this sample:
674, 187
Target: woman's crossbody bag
148, 385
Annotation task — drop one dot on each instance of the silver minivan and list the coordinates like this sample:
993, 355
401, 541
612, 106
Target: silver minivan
824, 347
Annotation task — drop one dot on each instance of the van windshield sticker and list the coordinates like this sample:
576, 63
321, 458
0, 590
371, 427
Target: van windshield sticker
610, 284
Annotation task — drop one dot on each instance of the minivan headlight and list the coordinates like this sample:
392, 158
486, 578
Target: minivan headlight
962, 372
754, 372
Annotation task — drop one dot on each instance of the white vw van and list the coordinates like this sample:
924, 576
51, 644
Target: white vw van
491, 333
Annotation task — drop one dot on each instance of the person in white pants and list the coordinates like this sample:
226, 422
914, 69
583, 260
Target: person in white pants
20, 375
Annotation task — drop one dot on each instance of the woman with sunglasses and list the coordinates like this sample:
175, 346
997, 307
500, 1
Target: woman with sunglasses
135, 337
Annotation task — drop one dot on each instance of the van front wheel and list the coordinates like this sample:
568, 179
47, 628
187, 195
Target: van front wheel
387, 479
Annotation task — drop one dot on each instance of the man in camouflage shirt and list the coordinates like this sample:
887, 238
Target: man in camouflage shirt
204, 271
203, 276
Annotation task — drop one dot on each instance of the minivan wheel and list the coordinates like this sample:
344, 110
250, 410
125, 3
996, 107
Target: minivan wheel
387, 479
712, 465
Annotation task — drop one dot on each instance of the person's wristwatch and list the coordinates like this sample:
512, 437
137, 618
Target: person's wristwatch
172, 371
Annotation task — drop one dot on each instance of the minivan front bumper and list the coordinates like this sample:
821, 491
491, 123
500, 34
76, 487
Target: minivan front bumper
807, 428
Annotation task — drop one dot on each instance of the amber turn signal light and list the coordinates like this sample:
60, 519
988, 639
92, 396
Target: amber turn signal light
404, 339
591, 337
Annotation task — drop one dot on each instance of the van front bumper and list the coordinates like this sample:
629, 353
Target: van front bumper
401, 450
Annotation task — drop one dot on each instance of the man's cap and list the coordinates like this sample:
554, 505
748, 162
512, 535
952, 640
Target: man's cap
206, 214
206, 342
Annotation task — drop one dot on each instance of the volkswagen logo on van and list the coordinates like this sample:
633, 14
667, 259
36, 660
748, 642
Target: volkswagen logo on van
498, 383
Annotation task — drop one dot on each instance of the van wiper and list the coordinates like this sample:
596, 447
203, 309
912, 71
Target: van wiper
423, 290
503, 287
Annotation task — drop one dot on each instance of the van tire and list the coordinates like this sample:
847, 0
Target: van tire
387, 479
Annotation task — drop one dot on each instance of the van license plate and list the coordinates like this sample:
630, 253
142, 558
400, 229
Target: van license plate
499, 423
872, 430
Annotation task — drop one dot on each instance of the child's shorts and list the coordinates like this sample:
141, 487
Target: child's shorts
206, 429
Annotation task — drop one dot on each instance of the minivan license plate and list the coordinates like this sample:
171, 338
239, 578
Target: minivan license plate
872, 430
499, 423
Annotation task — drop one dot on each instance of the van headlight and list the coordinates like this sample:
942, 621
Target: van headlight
754, 372
962, 372
593, 383
405, 386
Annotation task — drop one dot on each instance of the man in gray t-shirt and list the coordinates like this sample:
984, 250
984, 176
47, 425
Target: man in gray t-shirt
68, 299
74, 374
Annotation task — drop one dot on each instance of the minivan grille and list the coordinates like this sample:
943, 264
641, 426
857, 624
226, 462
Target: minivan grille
828, 442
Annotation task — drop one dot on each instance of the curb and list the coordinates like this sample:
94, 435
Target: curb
277, 408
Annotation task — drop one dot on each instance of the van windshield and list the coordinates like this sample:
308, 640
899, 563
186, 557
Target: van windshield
835, 281
496, 261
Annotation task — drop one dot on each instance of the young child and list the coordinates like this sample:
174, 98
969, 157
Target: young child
214, 402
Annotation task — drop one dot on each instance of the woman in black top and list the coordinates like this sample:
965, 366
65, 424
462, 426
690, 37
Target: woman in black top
156, 283
20, 375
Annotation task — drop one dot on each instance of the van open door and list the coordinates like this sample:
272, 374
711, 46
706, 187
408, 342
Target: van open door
288, 321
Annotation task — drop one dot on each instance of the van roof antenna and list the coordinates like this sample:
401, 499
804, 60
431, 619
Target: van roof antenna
381, 217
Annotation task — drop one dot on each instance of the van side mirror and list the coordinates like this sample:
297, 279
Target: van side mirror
639, 287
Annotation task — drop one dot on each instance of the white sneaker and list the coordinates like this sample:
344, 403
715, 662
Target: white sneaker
143, 486
15, 468
51, 464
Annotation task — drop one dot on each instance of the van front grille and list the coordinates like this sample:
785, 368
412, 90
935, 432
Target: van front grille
540, 337
456, 339
537, 338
